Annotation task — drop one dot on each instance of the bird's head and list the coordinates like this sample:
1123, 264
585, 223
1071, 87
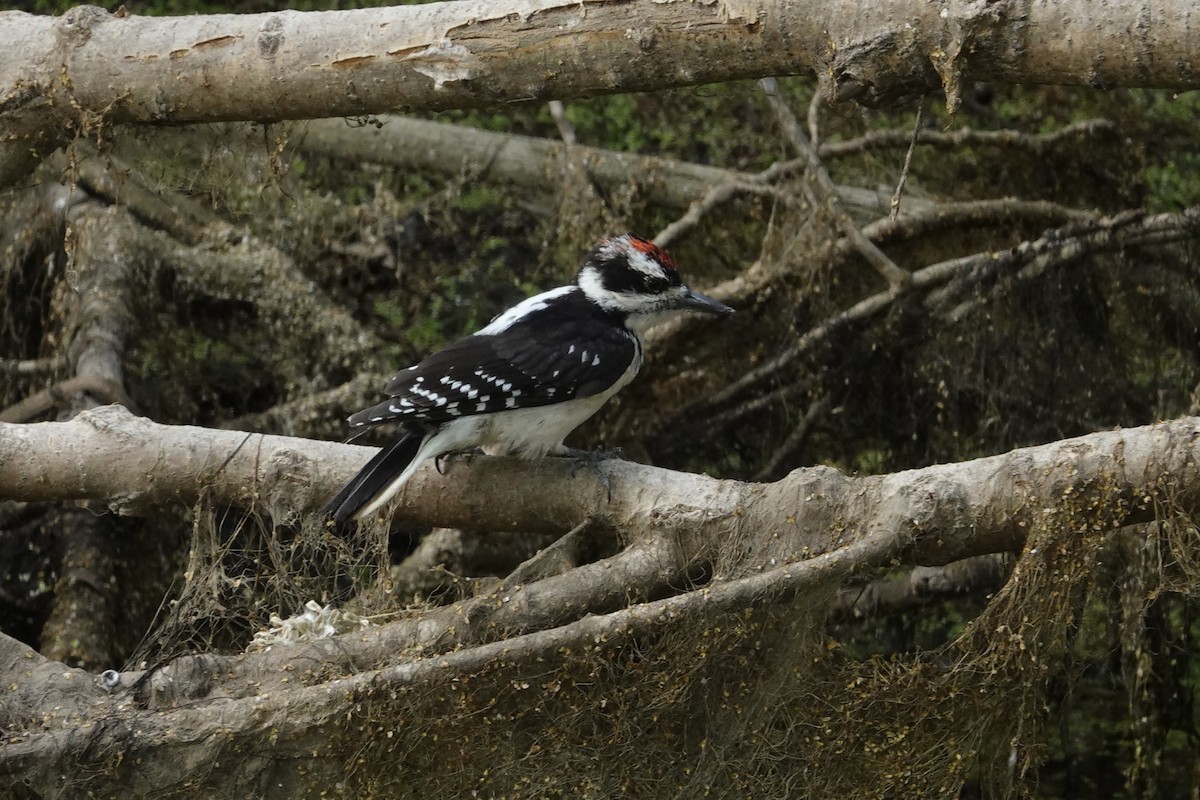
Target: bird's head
636, 277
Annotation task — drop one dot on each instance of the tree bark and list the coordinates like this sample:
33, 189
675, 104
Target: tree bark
90, 68
947, 511
766, 542
535, 163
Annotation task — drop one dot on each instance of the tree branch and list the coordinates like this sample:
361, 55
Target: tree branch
535, 163
1036, 143
938, 281
948, 512
822, 193
58, 76
765, 542
147, 464
243, 724
919, 585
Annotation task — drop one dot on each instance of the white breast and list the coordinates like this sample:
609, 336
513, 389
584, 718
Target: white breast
534, 432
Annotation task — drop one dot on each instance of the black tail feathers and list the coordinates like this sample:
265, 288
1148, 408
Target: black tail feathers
379, 472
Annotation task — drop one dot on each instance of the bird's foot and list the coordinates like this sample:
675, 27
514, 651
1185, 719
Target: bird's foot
439, 461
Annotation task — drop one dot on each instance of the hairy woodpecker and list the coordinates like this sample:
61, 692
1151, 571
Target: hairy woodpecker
537, 371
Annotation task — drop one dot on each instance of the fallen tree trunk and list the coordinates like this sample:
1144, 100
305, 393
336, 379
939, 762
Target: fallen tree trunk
948, 511
62, 75
535, 163
766, 542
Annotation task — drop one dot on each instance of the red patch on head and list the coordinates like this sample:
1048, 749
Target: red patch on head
652, 250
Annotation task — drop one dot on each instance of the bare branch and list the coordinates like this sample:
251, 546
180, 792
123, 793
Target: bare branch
814, 120
823, 192
147, 464
947, 512
795, 440
1030, 260
1027, 259
565, 129
1036, 143
242, 722
534, 163
30, 366
920, 585
717, 196
107, 252
61, 395
1008, 213
912, 145
108, 177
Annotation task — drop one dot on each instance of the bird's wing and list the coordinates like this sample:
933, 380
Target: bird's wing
524, 366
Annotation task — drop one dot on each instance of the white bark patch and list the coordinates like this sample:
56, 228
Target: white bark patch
445, 62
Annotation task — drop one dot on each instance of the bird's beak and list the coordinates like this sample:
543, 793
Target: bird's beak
692, 300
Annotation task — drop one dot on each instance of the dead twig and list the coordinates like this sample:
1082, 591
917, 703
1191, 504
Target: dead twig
559, 113
1030, 260
965, 137
814, 119
912, 145
554, 559
1025, 261
1005, 213
823, 192
715, 197
31, 366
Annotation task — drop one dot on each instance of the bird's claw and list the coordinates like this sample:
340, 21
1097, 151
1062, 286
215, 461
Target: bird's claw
439, 459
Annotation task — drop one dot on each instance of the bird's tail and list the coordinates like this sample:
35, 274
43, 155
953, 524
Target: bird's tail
378, 481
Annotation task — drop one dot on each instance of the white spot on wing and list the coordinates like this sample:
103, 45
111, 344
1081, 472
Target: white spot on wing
596, 361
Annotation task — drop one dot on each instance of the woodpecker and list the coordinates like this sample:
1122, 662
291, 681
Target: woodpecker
528, 378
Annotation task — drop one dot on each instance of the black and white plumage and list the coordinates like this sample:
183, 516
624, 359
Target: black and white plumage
523, 382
